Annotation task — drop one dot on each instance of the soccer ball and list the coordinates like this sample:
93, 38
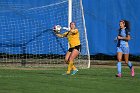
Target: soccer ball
57, 28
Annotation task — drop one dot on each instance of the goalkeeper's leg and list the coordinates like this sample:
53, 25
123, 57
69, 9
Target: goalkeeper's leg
69, 58
70, 63
71, 66
67, 62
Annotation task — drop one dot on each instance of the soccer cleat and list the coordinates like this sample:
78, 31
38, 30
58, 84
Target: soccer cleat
119, 75
65, 74
74, 72
132, 72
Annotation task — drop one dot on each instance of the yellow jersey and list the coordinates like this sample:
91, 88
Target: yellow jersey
73, 37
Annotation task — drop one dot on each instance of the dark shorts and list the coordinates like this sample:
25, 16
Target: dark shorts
76, 47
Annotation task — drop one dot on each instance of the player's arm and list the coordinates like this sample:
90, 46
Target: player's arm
124, 38
127, 36
62, 35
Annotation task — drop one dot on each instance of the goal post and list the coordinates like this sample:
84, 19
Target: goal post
27, 35
86, 39
69, 12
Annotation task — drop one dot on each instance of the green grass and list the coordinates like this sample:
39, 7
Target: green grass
93, 80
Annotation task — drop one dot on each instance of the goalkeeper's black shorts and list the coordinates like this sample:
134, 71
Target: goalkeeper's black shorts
76, 47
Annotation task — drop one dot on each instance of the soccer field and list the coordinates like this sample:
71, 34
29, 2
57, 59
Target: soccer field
44, 80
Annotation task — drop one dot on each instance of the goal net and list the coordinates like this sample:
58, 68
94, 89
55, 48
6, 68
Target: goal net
27, 38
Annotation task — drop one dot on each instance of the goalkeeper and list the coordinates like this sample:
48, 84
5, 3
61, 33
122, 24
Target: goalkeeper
74, 50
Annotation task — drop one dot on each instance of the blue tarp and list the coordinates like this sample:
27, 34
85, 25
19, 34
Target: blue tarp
102, 22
